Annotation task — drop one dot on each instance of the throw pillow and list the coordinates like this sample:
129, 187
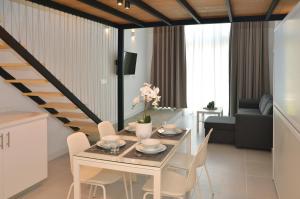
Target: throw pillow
268, 109
264, 101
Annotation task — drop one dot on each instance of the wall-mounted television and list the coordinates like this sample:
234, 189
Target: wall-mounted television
129, 63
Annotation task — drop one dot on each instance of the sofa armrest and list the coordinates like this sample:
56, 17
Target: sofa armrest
254, 131
249, 103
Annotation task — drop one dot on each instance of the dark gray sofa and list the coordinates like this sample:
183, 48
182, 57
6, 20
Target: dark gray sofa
254, 123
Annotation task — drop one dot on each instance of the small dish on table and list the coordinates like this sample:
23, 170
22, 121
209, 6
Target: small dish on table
150, 146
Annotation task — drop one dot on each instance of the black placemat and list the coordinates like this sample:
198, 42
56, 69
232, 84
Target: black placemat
100, 150
157, 135
134, 154
131, 133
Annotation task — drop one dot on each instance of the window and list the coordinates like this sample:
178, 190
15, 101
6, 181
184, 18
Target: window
207, 53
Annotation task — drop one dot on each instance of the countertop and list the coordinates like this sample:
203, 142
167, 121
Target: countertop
12, 118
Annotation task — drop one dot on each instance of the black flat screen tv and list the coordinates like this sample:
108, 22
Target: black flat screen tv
129, 63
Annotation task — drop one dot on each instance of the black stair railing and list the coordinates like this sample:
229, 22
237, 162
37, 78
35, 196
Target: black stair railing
30, 59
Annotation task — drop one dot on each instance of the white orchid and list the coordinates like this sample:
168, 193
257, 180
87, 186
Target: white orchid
148, 94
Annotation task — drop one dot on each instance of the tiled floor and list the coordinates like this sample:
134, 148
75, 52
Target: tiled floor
235, 173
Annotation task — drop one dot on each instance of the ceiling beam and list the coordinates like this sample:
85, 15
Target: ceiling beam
72, 11
190, 10
229, 10
271, 9
151, 11
208, 21
113, 11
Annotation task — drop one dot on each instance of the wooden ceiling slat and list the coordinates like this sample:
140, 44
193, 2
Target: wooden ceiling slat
250, 7
76, 12
106, 8
190, 10
209, 8
271, 9
152, 11
134, 11
284, 7
169, 8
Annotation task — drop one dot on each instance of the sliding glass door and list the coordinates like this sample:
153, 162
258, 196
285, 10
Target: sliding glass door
207, 53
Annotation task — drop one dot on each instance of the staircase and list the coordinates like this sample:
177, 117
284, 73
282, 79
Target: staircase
44, 88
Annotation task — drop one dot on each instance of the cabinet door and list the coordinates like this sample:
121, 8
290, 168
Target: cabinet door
25, 156
1, 165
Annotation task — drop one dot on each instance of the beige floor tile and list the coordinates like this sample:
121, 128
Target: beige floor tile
260, 188
235, 174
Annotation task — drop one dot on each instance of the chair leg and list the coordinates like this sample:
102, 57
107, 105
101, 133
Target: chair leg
209, 180
70, 189
125, 186
146, 194
197, 189
130, 184
95, 191
104, 191
90, 191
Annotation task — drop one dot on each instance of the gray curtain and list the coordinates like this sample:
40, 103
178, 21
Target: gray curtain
248, 62
168, 70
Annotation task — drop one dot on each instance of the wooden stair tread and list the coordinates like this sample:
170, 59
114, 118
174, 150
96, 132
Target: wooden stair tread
15, 65
71, 115
27, 81
59, 105
44, 94
87, 127
3, 46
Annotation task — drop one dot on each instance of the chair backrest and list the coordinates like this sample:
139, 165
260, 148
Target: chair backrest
77, 142
106, 128
198, 161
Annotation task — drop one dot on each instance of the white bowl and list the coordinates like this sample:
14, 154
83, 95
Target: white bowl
169, 127
111, 139
150, 143
132, 125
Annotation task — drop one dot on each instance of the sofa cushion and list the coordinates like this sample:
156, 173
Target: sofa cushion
263, 102
224, 123
250, 111
268, 109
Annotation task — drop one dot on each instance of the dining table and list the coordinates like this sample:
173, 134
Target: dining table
128, 159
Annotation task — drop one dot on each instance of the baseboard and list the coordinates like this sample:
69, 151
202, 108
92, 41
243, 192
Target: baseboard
57, 154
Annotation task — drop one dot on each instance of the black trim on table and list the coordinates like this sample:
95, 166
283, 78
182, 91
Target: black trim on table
30, 59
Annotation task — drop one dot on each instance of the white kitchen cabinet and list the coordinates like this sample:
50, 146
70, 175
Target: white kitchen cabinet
23, 160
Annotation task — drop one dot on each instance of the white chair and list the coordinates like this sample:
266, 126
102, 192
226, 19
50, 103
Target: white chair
96, 177
177, 185
106, 128
184, 161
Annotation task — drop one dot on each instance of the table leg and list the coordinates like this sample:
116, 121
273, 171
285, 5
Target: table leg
157, 185
188, 144
198, 122
76, 179
202, 117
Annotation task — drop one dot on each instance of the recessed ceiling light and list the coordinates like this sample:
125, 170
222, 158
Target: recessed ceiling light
127, 4
120, 2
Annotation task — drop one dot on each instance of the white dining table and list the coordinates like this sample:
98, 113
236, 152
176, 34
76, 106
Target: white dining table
126, 161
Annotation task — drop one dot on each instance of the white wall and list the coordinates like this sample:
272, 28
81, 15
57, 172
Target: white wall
11, 99
141, 44
79, 52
